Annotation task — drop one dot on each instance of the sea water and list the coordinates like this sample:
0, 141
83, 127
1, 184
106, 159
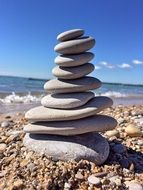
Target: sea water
18, 93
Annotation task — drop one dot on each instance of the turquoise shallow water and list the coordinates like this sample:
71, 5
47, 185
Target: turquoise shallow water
25, 92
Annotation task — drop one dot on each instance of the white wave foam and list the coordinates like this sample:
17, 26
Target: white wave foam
113, 94
13, 98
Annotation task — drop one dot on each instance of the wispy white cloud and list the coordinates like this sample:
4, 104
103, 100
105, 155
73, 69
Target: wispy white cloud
137, 62
103, 63
97, 67
107, 65
110, 66
125, 66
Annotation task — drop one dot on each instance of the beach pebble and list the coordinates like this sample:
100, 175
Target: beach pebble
140, 142
134, 186
5, 124
94, 180
116, 180
92, 107
72, 72
74, 60
68, 86
67, 186
75, 46
66, 101
79, 176
91, 146
97, 123
70, 34
2, 147
112, 133
139, 121
100, 174
18, 184
133, 131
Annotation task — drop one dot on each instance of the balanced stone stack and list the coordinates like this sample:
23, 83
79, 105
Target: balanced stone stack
66, 126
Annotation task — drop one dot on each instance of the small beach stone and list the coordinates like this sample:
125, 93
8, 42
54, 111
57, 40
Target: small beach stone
112, 133
73, 72
74, 60
67, 101
133, 131
98, 123
18, 184
73, 85
134, 186
94, 180
76, 46
140, 142
92, 107
2, 147
89, 146
70, 34
5, 124
79, 176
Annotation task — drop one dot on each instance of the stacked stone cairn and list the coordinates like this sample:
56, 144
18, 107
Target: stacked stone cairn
66, 126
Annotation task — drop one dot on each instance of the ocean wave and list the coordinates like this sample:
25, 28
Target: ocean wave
114, 94
15, 98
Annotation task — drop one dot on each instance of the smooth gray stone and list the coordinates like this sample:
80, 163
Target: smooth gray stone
70, 34
73, 85
72, 72
74, 60
92, 107
97, 123
89, 146
66, 101
76, 46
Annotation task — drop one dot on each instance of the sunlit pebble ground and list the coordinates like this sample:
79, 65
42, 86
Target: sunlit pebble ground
23, 169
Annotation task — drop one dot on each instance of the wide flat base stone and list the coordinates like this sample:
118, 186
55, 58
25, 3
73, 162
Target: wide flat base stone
89, 146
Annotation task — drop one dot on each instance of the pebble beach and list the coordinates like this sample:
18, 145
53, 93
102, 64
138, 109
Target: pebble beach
21, 168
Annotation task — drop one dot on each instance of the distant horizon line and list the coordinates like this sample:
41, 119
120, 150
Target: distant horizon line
44, 79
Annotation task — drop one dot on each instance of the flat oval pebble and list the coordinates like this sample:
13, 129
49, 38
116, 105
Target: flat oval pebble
70, 34
92, 107
133, 131
76, 46
89, 146
97, 123
67, 101
113, 133
74, 60
94, 180
73, 72
73, 85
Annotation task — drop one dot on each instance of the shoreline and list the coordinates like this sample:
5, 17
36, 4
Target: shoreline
23, 107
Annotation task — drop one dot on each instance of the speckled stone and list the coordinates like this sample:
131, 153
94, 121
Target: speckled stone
97, 123
66, 101
76, 46
89, 146
70, 34
74, 60
92, 107
72, 72
73, 85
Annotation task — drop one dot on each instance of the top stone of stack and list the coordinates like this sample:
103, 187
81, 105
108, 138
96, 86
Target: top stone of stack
70, 35
72, 42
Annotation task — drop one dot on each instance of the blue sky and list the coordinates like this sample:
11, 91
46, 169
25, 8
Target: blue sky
28, 30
